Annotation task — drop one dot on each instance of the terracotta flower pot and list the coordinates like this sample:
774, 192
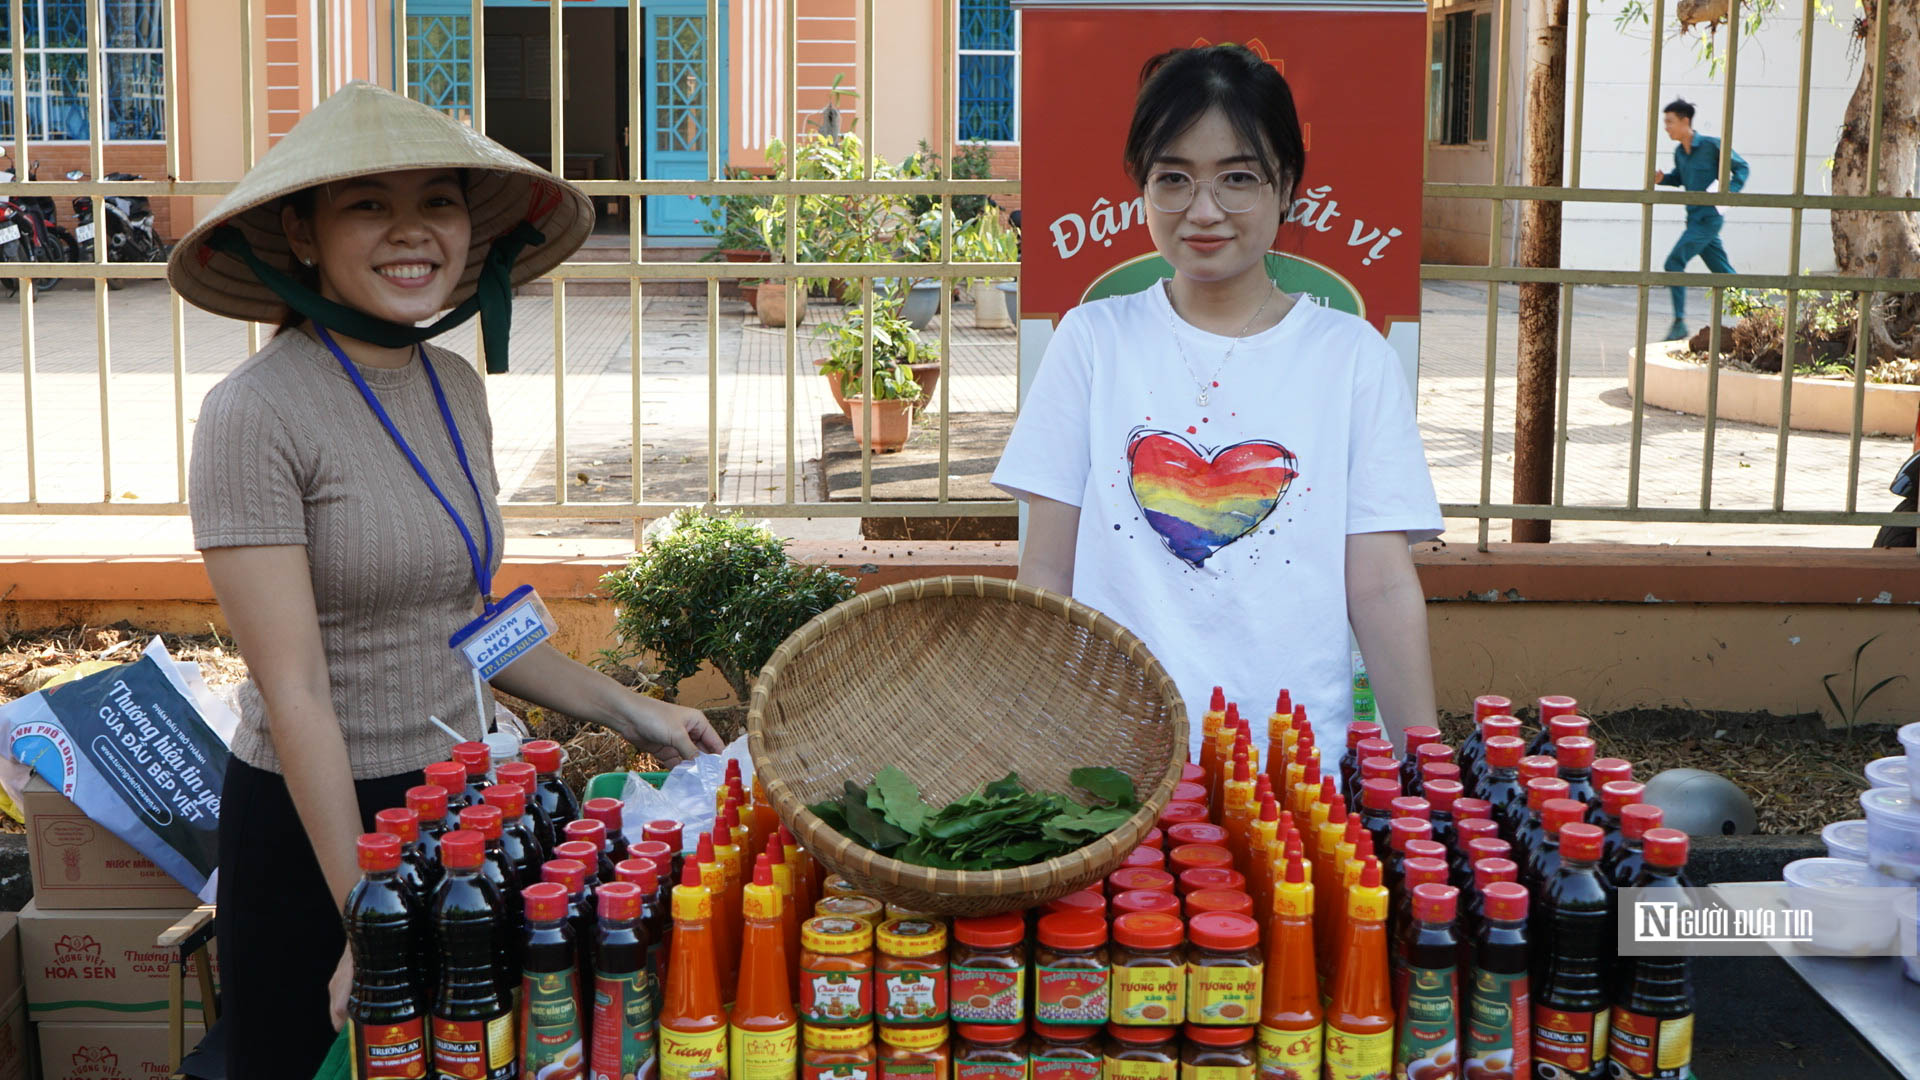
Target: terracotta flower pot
778, 302
892, 423
927, 375
833, 384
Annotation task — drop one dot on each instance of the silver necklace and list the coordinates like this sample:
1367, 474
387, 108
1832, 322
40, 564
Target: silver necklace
1207, 384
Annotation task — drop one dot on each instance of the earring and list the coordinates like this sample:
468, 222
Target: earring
307, 262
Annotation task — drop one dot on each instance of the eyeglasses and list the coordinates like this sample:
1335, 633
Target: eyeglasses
1236, 191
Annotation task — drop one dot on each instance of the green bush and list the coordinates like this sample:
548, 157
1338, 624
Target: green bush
719, 590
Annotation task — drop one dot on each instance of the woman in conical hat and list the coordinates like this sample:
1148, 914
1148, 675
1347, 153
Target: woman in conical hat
345, 498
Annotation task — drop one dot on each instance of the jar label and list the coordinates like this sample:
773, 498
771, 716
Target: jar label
845, 1070
1499, 1032
1223, 995
763, 1055
684, 1056
550, 1027
1057, 1068
1118, 1069
1219, 1072
836, 997
474, 1049
1359, 1057
889, 1070
1574, 1041
990, 1070
1149, 996
1646, 1048
989, 995
1065, 995
913, 997
1430, 1027
623, 1033
1289, 1055
390, 1051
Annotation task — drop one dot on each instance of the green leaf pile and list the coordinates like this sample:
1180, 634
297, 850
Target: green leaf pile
1001, 825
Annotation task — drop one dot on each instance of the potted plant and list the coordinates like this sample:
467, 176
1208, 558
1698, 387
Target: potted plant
895, 394
779, 300
924, 243
895, 344
989, 240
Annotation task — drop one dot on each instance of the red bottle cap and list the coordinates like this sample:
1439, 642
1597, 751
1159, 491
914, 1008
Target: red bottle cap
1566, 727
1071, 930
543, 754
1154, 839
572, 873
484, 820
1556, 814
1370, 874
462, 849
546, 901
668, 833
1412, 806
511, 801
1537, 766
658, 849
1435, 903
1197, 832
1270, 809
762, 872
1181, 813
991, 931
1490, 705
1211, 900
776, 854
1438, 770
1373, 747
994, 1034
1284, 703
1488, 847
1420, 735
1242, 766
1145, 900
1466, 832
1310, 774
1640, 818
1434, 751
1423, 870
1426, 849
1337, 812
728, 822
644, 873
520, 774
606, 811
1505, 901
1219, 1036
619, 902
1084, 902
1129, 878
1617, 795
1607, 770
1185, 792
1575, 751
1149, 930
1488, 871
1211, 879
1198, 856
593, 832
474, 757
1218, 702
1402, 829
401, 822
1504, 751
377, 851
1363, 845
1380, 768
447, 775
1146, 858
1379, 794
1583, 842
427, 801
1465, 809
1192, 774
1542, 788
578, 851
1665, 847
1360, 730
1553, 705
1442, 794
1501, 725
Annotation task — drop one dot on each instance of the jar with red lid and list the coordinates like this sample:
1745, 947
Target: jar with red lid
1198, 856
911, 976
1179, 813
1084, 902
1205, 900
1223, 969
1149, 969
1072, 970
1145, 857
1154, 839
1067, 1052
1197, 832
1144, 1053
1129, 878
836, 971
1145, 900
837, 1053
988, 970
865, 908
990, 1052
913, 1053
1217, 1053
1210, 877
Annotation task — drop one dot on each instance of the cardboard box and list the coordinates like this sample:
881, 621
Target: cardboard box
109, 1051
100, 966
79, 866
16, 1046
9, 959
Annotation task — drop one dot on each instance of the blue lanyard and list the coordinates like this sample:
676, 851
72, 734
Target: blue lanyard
482, 568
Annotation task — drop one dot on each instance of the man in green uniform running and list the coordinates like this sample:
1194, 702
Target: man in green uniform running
1696, 165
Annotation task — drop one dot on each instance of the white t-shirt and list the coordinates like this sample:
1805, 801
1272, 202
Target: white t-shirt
1217, 533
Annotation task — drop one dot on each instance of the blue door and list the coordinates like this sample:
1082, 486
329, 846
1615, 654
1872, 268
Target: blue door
679, 46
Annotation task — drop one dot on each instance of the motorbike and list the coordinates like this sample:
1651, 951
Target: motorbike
25, 237
1906, 488
130, 232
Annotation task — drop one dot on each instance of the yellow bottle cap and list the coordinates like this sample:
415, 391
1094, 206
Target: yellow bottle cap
692, 902
835, 935
911, 937
914, 1038
760, 902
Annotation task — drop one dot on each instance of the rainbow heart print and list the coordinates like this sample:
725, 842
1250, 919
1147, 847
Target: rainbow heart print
1200, 499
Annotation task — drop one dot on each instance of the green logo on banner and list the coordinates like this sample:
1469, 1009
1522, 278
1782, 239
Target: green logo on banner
1292, 273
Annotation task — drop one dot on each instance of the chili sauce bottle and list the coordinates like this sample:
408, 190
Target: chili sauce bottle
693, 1027
1290, 1011
1359, 1038
1570, 1011
472, 1016
551, 1030
553, 795
524, 776
1429, 1007
383, 923
608, 812
623, 1013
1652, 1029
500, 870
765, 1030
516, 832
1499, 1014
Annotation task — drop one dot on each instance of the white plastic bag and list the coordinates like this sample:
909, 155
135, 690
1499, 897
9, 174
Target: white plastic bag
686, 795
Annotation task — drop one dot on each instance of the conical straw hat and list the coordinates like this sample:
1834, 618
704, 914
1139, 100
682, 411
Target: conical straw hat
359, 131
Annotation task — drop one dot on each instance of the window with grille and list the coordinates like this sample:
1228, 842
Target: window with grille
989, 44
1460, 87
440, 63
132, 64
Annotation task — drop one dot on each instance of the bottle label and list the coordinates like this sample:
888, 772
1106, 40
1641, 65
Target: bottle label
623, 1036
1289, 1055
1430, 1024
836, 997
1646, 1048
990, 1070
845, 1070
474, 1049
913, 997
764, 1055
1223, 995
1054, 1068
989, 995
1574, 1041
390, 1051
1499, 1034
1065, 995
685, 1056
890, 1070
1220, 1072
1149, 996
1118, 1069
1359, 1057
550, 1028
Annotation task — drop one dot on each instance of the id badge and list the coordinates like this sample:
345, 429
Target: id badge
505, 633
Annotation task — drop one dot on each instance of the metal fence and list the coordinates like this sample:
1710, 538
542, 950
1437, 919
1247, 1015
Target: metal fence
638, 273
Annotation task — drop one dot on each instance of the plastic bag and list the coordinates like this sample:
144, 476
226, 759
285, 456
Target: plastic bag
686, 795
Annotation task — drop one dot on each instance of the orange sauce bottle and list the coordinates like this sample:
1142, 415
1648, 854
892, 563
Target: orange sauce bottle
783, 883
1279, 736
763, 821
1360, 1020
693, 1029
1299, 727
801, 866
1263, 840
1290, 1015
1223, 760
1210, 723
765, 1028
1326, 841
739, 861
1239, 810
713, 876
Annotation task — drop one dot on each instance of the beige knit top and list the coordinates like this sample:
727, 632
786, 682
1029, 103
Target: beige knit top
287, 452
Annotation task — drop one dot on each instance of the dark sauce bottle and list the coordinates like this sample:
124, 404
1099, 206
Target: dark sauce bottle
1570, 1011
556, 799
1429, 1006
1498, 1036
497, 868
551, 1031
1652, 1032
472, 1016
384, 928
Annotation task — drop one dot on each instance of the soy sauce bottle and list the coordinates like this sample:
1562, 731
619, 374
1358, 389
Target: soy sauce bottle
1376, 811
384, 926
1625, 864
623, 999
418, 874
1555, 816
527, 778
1570, 1013
1575, 754
516, 833
571, 874
1652, 1031
472, 1017
551, 1031
451, 777
608, 812
1615, 797
1498, 1034
595, 833
1460, 858
1502, 784
1429, 1006
498, 869
429, 805
555, 798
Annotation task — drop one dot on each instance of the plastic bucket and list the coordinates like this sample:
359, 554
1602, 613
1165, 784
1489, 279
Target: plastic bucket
1852, 910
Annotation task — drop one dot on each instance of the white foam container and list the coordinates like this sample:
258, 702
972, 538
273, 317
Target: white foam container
503, 746
1906, 910
1891, 771
1846, 839
1893, 834
1910, 740
1852, 915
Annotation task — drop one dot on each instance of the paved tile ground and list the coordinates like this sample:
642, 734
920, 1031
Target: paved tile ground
749, 388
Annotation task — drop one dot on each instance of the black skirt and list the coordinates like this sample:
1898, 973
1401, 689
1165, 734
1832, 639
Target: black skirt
279, 932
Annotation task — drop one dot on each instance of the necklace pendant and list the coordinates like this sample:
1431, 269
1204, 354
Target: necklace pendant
1201, 399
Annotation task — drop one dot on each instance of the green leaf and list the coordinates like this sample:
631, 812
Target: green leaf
1005, 787
1108, 785
900, 799
876, 831
831, 813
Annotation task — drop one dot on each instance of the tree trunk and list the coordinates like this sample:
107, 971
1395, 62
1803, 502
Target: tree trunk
1540, 246
1884, 243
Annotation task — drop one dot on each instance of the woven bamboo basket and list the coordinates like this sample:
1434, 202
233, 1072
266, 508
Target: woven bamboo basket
958, 681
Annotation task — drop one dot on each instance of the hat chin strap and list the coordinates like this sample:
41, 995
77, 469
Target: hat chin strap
492, 297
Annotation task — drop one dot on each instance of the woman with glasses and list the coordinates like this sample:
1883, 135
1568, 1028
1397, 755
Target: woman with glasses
1231, 472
